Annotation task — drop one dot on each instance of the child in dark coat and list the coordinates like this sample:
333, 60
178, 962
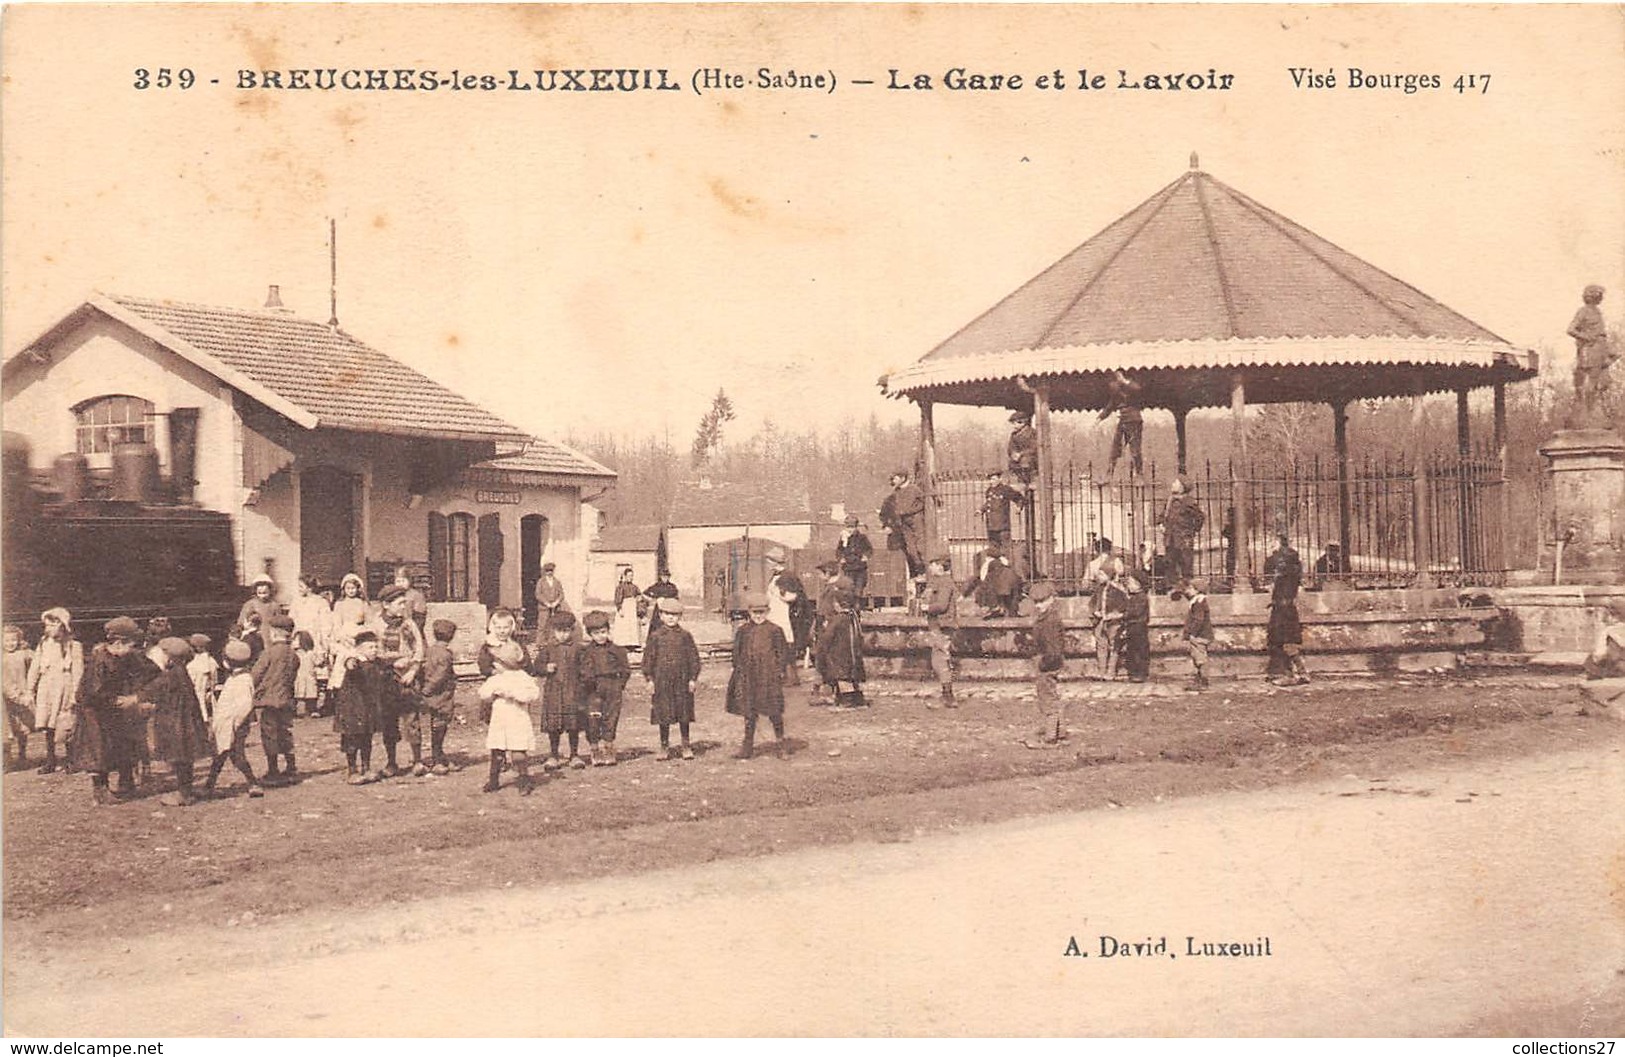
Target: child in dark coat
671, 666
756, 687
103, 721
604, 671
557, 662
439, 692
1049, 654
840, 653
360, 704
1198, 633
276, 671
178, 733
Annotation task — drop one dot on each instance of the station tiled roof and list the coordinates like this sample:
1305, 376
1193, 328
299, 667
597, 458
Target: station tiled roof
544, 456
315, 374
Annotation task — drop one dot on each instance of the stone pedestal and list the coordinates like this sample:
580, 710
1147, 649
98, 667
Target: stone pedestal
1586, 471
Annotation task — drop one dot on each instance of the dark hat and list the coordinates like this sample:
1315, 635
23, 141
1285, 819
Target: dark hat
175, 647
845, 599
1041, 591
122, 628
595, 620
200, 642
562, 621
444, 629
670, 605
390, 593
851, 521
548, 567
362, 637
942, 557
282, 622
237, 651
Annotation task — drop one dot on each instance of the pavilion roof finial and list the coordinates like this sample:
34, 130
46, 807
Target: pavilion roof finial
1196, 163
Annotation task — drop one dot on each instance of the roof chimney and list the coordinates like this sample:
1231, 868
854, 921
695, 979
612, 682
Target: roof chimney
273, 300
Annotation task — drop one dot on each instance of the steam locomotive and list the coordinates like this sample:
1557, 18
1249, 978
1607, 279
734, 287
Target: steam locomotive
128, 543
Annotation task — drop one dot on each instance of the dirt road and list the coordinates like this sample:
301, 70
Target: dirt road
1435, 901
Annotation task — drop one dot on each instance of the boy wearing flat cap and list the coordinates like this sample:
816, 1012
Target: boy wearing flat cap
228, 722
439, 692
557, 662
400, 648
102, 740
1049, 647
671, 667
604, 671
756, 687
275, 671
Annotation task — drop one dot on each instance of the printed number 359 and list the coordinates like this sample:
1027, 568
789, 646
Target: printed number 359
164, 77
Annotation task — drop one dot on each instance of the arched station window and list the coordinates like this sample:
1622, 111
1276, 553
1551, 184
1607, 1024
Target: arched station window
106, 421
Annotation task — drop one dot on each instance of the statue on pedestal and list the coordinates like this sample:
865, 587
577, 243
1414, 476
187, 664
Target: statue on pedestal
1593, 356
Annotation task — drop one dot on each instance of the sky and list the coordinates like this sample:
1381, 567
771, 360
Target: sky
599, 262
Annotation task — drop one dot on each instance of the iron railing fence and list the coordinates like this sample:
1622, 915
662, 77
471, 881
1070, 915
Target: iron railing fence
1375, 528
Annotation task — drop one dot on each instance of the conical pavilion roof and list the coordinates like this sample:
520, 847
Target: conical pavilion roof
1196, 285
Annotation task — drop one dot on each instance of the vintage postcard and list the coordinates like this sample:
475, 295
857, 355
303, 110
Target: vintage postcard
813, 520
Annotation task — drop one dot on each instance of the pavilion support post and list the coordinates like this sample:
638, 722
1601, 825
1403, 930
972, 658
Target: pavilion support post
1419, 494
1466, 530
1046, 484
926, 473
1503, 553
1179, 438
1340, 441
1240, 487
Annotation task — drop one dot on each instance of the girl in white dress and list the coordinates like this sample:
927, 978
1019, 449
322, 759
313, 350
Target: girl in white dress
506, 697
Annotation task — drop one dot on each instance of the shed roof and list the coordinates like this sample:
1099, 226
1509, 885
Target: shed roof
1197, 282
314, 374
620, 538
729, 503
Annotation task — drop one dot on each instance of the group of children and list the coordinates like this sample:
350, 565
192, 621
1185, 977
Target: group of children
582, 689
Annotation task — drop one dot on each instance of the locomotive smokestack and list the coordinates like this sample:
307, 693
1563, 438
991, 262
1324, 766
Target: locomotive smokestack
273, 300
